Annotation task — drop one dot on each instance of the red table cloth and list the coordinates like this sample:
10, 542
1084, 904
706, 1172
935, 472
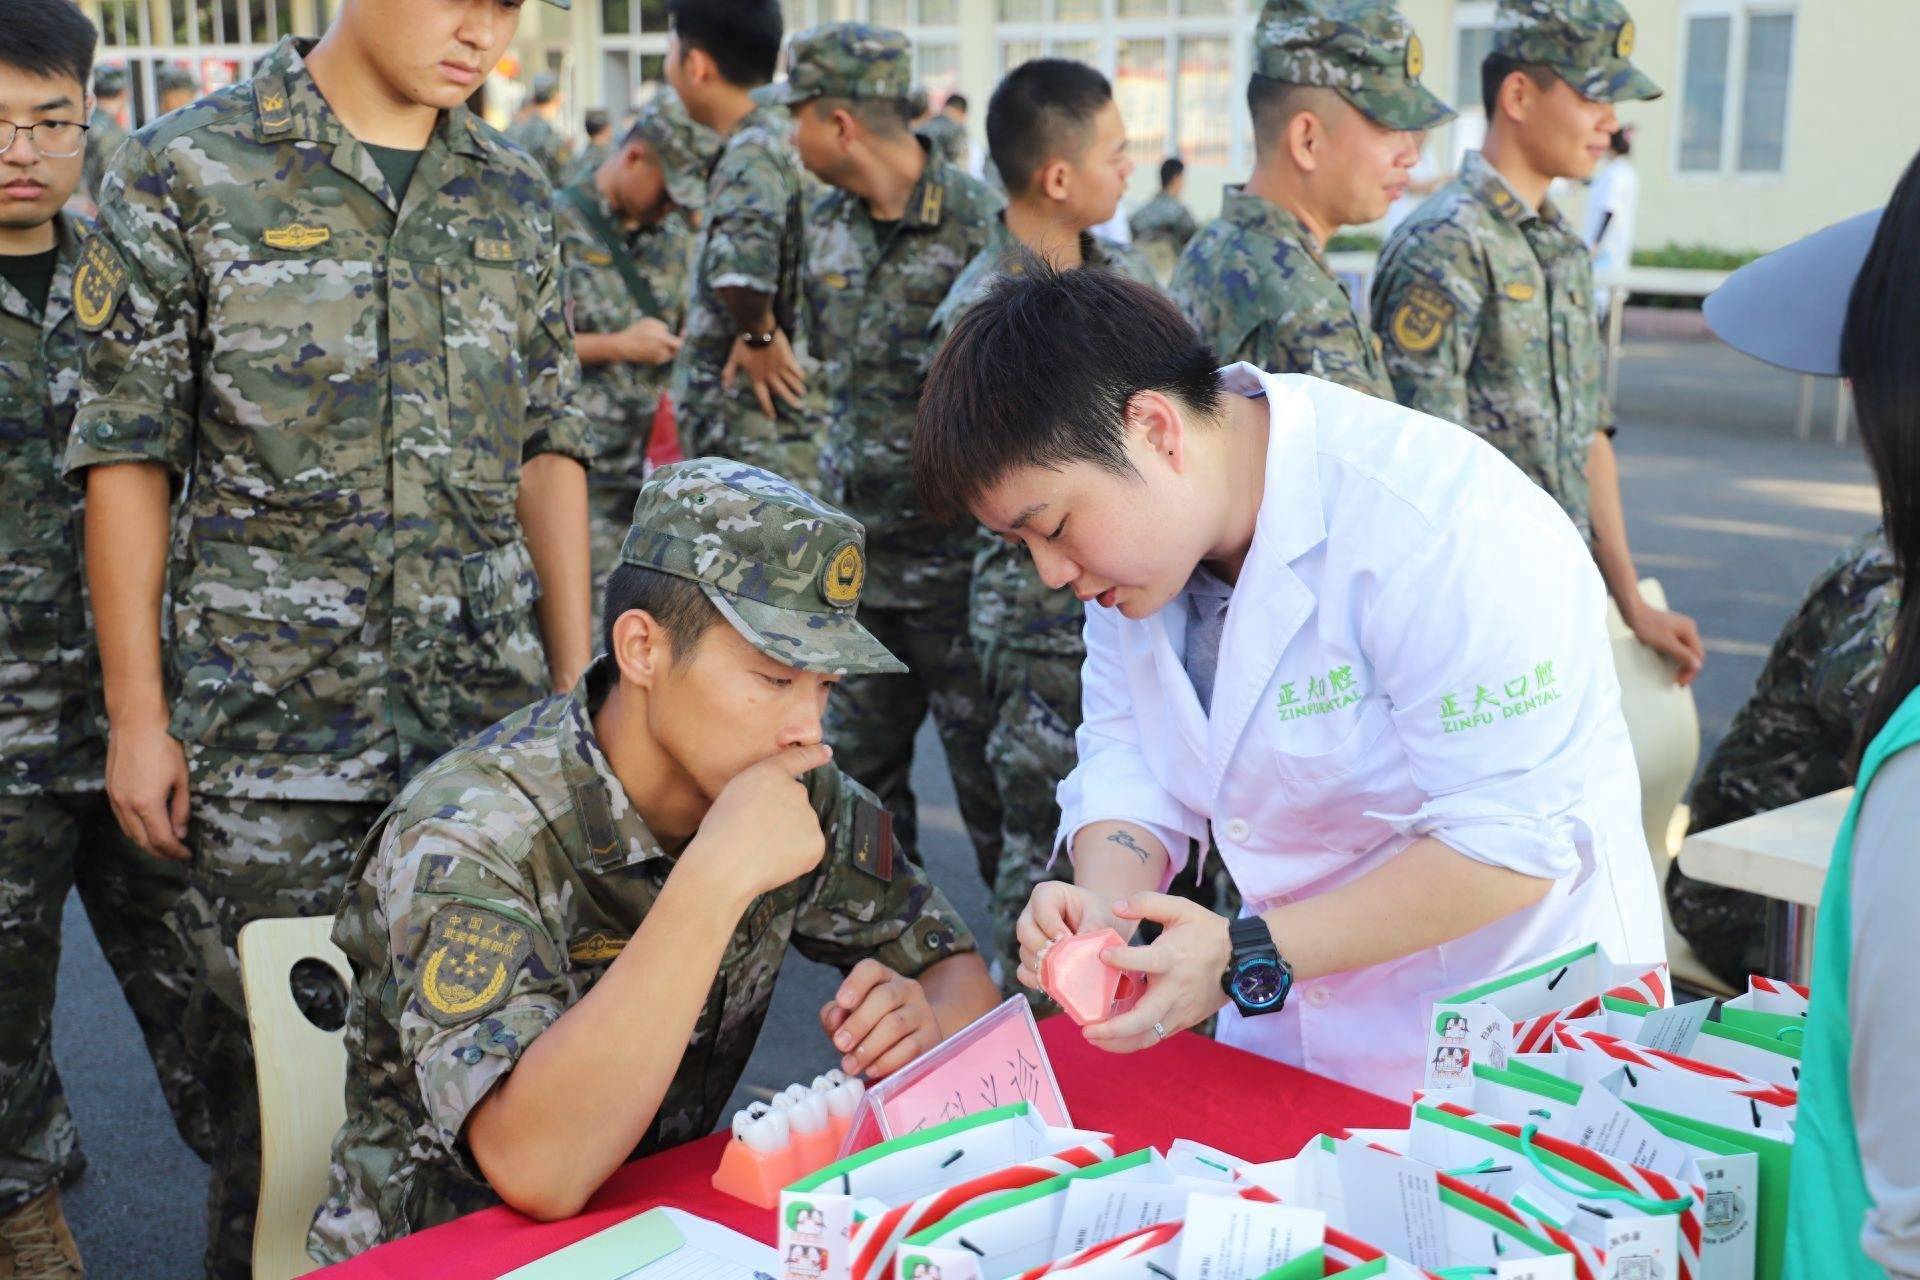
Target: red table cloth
1187, 1087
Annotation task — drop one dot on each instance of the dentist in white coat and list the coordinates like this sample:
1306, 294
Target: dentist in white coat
1351, 643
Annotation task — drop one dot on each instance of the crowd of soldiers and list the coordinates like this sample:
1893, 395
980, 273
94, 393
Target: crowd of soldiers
360, 431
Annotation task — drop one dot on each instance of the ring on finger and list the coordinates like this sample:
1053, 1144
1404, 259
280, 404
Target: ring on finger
1159, 1031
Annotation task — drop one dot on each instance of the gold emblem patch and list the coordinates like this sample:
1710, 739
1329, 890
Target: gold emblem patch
97, 284
1421, 319
595, 948
494, 250
470, 959
1623, 43
273, 103
297, 236
844, 573
596, 257
1416, 57
1518, 290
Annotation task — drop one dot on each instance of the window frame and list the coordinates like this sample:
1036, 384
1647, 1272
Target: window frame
1740, 15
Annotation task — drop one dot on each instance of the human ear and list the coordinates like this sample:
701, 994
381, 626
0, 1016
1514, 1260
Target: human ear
641, 648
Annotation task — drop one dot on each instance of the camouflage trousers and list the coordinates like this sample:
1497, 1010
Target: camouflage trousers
253, 860
872, 721
50, 844
1727, 928
1036, 711
714, 422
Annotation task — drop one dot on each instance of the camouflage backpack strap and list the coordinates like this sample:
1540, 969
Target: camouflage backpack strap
616, 246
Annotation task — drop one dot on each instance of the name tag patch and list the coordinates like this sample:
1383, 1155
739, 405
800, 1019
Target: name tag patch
1522, 695
1318, 695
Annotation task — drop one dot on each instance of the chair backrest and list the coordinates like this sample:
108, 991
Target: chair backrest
1663, 724
302, 1073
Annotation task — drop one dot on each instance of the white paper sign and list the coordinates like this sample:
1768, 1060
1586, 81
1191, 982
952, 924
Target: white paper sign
1099, 1209
1605, 1124
1673, 1030
1393, 1204
1227, 1238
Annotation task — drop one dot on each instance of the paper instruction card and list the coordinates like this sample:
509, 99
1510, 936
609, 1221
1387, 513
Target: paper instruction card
1227, 1238
1105, 1210
1393, 1203
1601, 1122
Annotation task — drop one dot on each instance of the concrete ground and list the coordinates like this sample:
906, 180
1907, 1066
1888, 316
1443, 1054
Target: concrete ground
1725, 507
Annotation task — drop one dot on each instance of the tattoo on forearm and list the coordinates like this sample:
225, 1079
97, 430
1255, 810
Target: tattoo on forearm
1126, 841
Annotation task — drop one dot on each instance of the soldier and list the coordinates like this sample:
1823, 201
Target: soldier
1056, 136
1162, 226
56, 828
1791, 741
947, 131
1338, 113
1484, 295
535, 132
352, 360
624, 244
598, 129
177, 88
886, 240
742, 309
104, 134
565, 933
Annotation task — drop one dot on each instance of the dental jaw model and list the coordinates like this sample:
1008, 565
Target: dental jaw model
1085, 986
779, 1142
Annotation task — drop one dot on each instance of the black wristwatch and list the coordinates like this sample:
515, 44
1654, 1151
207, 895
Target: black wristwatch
1257, 980
759, 340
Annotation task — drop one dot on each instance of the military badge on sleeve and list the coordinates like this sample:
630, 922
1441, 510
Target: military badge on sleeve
98, 283
470, 960
1421, 319
873, 840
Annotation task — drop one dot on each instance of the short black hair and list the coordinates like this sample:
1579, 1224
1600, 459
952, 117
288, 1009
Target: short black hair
677, 604
1620, 144
1494, 70
594, 121
1040, 373
49, 38
889, 117
1271, 104
955, 100
1040, 112
1171, 168
741, 36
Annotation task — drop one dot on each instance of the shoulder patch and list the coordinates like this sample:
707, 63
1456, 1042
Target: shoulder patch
1421, 319
98, 283
873, 840
471, 957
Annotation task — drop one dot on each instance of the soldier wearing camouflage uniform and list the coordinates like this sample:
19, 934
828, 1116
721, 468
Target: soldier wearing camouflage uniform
1161, 227
57, 831
174, 88
104, 134
554, 858
358, 373
885, 241
625, 239
740, 382
1338, 113
1483, 297
598, 130
1027, 634
1791, 741
536, 133
946, 132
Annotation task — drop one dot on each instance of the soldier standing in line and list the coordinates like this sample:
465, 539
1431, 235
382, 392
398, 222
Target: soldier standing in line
176, 88
1162, 226
1056, 136
947, 131
1484, 295
104, 132
886, 241
1338, 113
57, 830
335, 325
743, 308
535, 132
625, 239
597, 127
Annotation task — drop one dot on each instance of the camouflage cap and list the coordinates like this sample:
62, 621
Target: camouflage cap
545, 88
1364, 49
1585, 42
780, 565
843, 60
685, 147
109, 80
170, 78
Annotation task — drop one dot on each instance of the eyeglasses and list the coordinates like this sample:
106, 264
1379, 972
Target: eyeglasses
55, 139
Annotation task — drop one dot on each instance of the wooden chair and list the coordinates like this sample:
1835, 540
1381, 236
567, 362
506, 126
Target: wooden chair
1664, 725
302, 1074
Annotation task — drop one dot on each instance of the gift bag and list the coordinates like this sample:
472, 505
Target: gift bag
1763, 1057
1769, 1008
1673, 1082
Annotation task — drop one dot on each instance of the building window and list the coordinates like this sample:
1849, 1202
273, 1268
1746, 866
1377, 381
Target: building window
1204, 103
1736, 73
217, 41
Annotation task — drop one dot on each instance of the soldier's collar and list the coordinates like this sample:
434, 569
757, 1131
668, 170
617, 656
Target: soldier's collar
928, 202
617, 836
68, 232
1492, 190
288, 104
1257, 213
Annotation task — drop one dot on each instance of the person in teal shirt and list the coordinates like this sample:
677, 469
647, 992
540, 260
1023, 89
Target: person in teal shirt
1846, 301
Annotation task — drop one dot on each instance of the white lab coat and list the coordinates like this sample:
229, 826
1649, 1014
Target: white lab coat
1402, 571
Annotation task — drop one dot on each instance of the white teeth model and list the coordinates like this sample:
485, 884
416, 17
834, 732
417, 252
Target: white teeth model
797, 1093
761, 1127
822, 1084
844, 1098
809, 1115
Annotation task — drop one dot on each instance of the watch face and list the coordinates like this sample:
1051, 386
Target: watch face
1258, 983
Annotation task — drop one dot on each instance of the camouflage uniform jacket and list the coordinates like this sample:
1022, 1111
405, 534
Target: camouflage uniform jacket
1009, 603
618, 398
1793, 737
1164, 219
752, 235
536, 136
948, 138
1257, 288
51, 734
592, 156
523, 846
104, 136
347, 392
1486, 312
871, 295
